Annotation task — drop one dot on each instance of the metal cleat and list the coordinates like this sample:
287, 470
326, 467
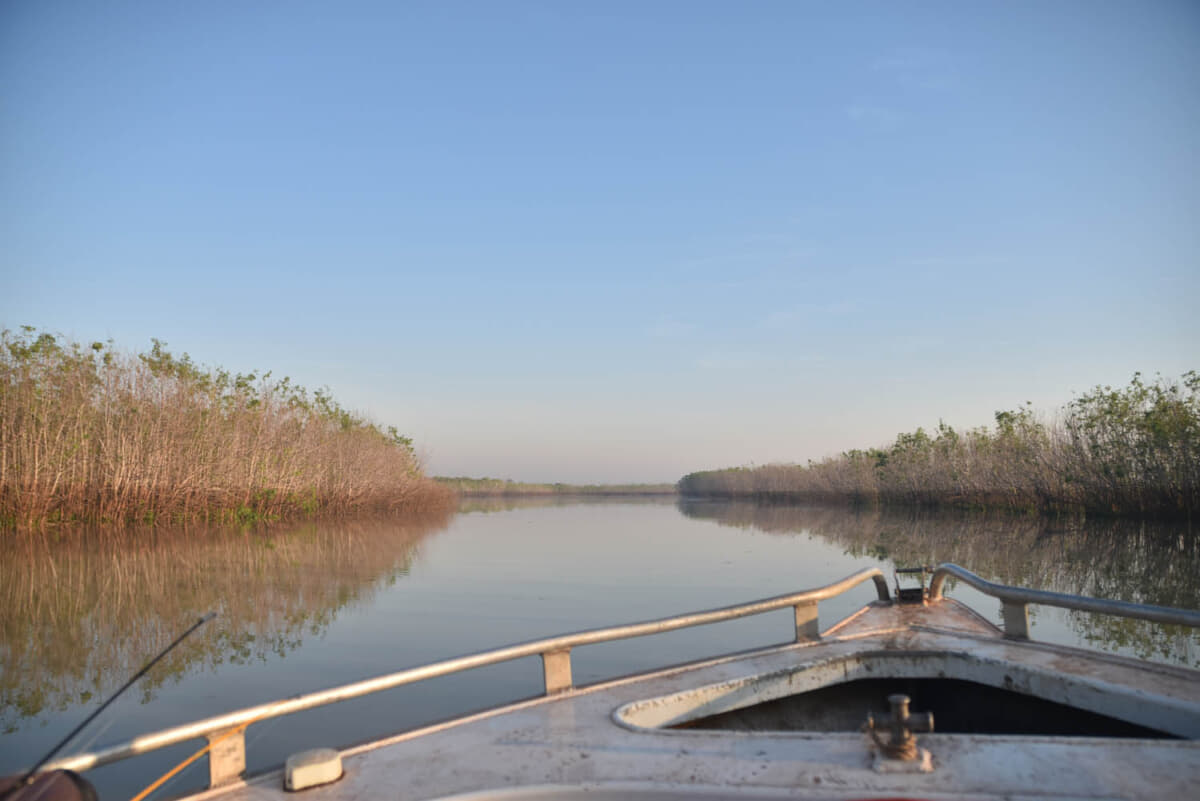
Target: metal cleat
899, 751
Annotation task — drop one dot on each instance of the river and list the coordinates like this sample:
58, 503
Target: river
302, 607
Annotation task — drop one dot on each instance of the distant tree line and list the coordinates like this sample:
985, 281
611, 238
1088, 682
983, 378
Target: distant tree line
1131, 451
90, 433
489, 487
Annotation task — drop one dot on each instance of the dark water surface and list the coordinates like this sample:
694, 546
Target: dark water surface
311, 606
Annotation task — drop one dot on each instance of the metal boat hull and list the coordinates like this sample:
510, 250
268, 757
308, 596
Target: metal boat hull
624, 738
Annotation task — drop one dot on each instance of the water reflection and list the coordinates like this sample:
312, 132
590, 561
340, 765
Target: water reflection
347, 601
1140, 561
80, 613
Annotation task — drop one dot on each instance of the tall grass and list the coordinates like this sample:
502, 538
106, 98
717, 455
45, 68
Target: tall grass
1132, 451
93, 433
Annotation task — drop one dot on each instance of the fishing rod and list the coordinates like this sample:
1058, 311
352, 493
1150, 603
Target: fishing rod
25, 780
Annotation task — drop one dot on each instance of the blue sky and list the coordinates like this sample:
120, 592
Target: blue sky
616, 241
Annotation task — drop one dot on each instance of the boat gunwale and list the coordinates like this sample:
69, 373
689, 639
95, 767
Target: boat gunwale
877, 637
544, 647
560, 646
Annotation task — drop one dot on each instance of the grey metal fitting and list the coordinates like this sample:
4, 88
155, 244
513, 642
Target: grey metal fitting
901, 725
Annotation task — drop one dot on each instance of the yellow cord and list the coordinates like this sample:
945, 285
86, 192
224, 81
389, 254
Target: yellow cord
167, 776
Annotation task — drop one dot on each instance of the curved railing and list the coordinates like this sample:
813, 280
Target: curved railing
226, 733
1015, 602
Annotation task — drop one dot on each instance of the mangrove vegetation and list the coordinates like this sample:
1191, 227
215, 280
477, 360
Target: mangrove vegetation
91, 433
1129, 451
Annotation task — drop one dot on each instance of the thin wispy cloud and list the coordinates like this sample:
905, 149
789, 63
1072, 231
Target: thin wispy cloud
810, 313
873, 115
919, 69
762, 360
904, 73
721, 359
670, 328
744, 261
914, 345
952, 261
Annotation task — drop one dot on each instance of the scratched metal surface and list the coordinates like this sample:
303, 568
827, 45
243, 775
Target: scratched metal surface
586, 739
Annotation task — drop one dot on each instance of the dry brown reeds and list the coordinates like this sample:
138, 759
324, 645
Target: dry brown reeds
92, 433
1132, 451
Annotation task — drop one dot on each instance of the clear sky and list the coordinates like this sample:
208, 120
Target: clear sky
616, 241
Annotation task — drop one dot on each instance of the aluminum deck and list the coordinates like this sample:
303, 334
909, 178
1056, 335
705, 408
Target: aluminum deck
607, 740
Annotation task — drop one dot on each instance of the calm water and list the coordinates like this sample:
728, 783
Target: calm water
318, 605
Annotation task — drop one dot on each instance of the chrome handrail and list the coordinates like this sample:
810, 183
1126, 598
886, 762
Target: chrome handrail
1015, 602
228, 761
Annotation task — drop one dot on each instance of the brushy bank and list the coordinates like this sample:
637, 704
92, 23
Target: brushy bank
1132, 451
494, 487
89, 433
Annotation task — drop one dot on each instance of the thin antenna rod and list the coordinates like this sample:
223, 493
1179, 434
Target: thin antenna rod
25, 779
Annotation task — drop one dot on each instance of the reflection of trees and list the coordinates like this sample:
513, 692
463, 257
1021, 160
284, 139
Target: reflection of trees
1144, 562
79, 615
